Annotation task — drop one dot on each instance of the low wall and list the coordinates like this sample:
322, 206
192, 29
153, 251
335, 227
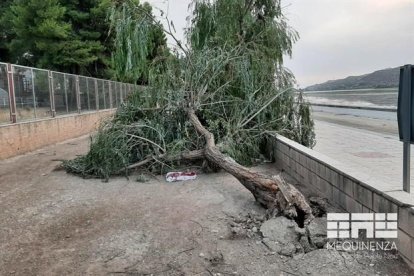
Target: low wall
23, 137
352, 190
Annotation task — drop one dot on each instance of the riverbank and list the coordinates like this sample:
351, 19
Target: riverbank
380, 126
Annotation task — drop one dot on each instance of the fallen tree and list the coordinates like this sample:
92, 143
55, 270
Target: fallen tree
213, 102
272, 192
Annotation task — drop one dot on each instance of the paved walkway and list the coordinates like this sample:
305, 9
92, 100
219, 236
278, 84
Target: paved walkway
372, 153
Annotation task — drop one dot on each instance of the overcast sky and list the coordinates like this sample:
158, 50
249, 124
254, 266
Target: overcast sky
338, 38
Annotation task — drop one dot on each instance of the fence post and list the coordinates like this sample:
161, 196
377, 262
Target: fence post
96, 94
78, 101
110, 94
124, 92
116, 95
12, 98
51, 93
66, 93
34, 93
121, 89
87, 92
113, 87
103, 94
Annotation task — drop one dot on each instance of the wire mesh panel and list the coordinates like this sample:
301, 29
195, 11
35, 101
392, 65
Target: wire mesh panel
114, 95
41, 93
34, 89
83, 93
106, 90
91, 94
113, 98
116, 92
59, 88
71, 93
101, 94
126, 91
122, 92
24, 93
4, 95
130, 89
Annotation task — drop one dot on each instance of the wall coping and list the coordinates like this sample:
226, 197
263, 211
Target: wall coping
24, 137
35, 120
397, 196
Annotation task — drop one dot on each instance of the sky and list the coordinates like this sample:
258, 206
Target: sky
338, 38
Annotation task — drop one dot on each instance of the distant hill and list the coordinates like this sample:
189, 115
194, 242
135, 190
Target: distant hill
379, 79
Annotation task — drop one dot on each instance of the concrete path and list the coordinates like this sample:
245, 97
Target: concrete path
54, 223
376, 154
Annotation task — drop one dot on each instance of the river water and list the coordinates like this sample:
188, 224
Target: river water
382, 98
386, 97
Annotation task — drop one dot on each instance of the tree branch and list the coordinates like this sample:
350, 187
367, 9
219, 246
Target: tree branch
188, 156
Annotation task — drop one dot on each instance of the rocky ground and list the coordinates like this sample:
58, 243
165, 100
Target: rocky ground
53, 223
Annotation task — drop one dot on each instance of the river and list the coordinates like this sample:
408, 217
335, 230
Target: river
364, 98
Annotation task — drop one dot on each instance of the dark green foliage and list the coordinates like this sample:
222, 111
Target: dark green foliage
6, 33
109, 153
88, 49
133, 135
61, 35
74, 36
39, 28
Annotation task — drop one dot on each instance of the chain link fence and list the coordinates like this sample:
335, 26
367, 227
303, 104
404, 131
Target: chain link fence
28, 93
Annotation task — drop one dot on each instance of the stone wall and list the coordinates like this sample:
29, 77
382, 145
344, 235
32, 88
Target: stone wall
23, 137
352, 190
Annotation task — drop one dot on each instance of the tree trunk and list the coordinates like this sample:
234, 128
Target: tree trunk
270, 191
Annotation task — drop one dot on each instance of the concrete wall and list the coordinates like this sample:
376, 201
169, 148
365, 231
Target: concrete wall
351, 190
23, 137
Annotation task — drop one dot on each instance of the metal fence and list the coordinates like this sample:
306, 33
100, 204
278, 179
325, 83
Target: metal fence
28, 93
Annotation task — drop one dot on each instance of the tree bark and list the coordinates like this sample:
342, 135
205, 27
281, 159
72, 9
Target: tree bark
270, 191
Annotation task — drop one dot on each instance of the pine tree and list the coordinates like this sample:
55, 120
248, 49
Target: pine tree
89, 46
6, 33
39, 30
71, 36
58, 34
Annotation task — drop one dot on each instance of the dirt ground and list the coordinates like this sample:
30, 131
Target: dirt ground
52, 223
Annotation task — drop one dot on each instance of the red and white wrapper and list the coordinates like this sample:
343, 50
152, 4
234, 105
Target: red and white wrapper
180, 176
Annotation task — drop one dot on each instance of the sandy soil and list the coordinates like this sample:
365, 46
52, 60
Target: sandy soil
52, 223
